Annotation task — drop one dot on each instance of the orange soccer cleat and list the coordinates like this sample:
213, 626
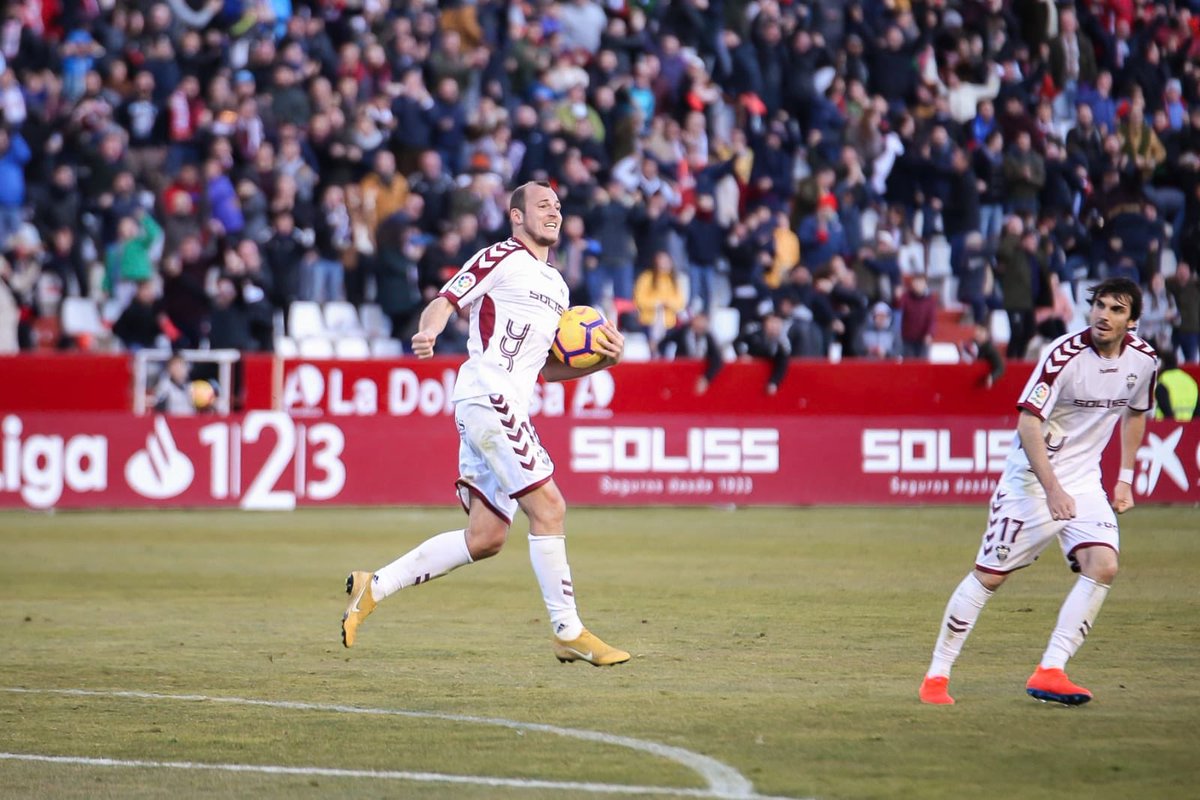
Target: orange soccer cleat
935, 691
1053, 686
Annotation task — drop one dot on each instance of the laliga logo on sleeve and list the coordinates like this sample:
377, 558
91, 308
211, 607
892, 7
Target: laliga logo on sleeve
461, 285
1039, 395
1157, 456
160, 471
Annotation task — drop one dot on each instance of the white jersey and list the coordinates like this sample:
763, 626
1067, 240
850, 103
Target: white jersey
515, 302
1079, 396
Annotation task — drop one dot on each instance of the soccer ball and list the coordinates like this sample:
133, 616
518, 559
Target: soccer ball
204, 394
578, 332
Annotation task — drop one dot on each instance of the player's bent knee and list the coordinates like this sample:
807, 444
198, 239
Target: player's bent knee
990, 580
1098, 563
546, 509
485, 541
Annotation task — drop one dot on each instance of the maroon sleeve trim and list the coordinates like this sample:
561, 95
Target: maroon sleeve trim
453, 300
1032, 409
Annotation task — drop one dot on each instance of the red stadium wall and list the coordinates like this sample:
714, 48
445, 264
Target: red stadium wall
104, 383
372, 433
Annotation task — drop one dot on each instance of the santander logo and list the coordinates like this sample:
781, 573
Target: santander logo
161, 470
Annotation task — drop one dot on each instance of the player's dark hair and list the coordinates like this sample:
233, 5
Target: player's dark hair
1119, 287
517, 200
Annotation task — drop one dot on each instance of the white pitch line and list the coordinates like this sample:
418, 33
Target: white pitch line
423, 777
723, 782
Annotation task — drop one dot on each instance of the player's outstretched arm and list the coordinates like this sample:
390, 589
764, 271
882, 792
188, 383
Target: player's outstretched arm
1133, 428
432, 323
1029, 429
611, 344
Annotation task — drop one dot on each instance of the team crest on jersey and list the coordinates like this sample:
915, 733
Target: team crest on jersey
461, 285
1002, 552
1130, 380
1040, 394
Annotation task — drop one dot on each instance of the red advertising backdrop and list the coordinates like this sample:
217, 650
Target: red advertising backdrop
276, 460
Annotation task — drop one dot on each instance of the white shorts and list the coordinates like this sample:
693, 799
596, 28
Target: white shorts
499, 455
1019, 528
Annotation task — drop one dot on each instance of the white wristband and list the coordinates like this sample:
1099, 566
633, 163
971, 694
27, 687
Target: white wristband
1125, 476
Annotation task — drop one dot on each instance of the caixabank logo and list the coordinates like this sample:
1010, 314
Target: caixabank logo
1157, 457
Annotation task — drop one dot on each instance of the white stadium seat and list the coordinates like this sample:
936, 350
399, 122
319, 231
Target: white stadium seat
943, 353
998, 325
374, 321
637, 347
316, 347
81, 315
939, 258
351, 347
305, 320
341, 319
726, 324
285, 347
912, 258
386, 347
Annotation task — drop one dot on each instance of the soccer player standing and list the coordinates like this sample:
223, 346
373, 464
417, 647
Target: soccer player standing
1051, 487
515, 299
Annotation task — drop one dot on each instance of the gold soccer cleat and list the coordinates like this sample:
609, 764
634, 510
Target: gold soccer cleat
588, 647
358, 586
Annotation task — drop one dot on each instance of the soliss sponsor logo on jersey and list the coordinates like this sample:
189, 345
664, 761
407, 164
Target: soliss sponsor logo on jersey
934, 450
1084, 403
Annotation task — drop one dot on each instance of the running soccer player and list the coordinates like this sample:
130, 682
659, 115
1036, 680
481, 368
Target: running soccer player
515, 299
1051, 487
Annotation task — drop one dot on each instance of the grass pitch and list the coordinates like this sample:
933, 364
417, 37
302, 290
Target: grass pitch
785, 644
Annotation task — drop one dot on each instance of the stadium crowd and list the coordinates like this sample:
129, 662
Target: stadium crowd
839, 174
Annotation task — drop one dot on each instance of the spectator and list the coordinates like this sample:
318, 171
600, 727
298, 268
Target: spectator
918, 317
129, 261
694, 340
1176, 392
988, 165
1185, 288
658, 297
14, 155
609, 224
703, 238
880, 338
1159, 315
140, 324
399, 287
332, 245
1014, 268
980, 347
1024, 175
767, 340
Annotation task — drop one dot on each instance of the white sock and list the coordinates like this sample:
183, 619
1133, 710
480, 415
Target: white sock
963, 609
430, 559
548, 554
1075, 620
